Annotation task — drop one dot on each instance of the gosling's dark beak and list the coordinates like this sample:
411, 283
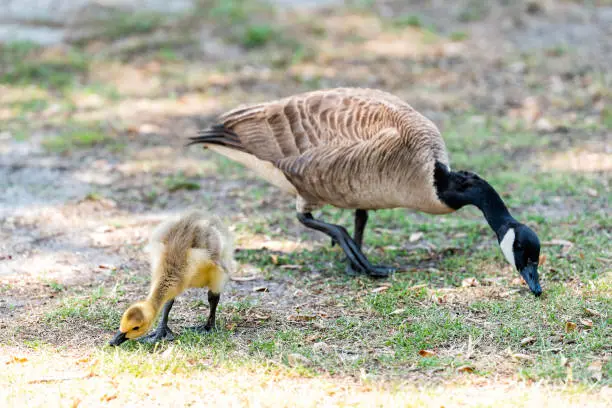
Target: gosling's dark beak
530, 274
118, 339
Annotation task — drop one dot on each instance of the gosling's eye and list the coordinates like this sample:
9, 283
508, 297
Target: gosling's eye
136, 328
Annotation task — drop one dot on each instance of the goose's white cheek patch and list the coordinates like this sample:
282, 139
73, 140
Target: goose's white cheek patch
507, 244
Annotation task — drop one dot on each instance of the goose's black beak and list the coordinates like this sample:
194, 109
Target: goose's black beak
118, 339
530, 274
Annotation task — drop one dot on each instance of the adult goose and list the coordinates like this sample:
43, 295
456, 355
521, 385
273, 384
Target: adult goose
362, 149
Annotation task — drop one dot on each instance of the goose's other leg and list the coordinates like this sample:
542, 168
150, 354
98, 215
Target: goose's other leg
213, 301
361, 219
162, 332
339, 234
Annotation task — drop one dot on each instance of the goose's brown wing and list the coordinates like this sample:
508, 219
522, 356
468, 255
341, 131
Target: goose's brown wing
360, 174
289, 127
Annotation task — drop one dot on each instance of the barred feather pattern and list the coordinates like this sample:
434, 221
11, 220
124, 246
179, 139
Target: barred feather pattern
348, 147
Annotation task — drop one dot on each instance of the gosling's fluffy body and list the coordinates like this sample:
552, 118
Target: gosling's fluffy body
193, 251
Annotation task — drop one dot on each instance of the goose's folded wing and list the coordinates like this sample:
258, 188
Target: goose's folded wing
291, 126
328, 171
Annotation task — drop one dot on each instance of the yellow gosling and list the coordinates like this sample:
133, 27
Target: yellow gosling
193, 251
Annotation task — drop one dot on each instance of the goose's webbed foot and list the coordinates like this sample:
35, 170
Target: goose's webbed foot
375, 271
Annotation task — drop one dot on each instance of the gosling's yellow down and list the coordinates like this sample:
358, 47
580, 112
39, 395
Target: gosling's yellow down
193, 251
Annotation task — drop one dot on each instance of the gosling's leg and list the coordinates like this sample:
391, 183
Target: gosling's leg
213, 301
354, 254
162, 332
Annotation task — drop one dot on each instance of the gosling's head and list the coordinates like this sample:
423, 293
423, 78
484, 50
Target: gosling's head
135, 322
521, 247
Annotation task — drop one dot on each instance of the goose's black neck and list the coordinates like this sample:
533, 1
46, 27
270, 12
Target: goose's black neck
458, 189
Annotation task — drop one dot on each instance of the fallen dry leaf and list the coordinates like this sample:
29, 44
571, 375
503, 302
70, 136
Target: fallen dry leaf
592, 312
397, 311
107, 397
518, 281
301, 318
260, 289
595, 369
570, 327
439, 299
16, 359
274, 259
588, 323
110, 267
470, 282
260, 317
380, 289
243, 278
521, 356
465, 369
414, 237
295, 359
542, 260
563, 242
427, 353
566, 245
592, 192
290, 266
528, 340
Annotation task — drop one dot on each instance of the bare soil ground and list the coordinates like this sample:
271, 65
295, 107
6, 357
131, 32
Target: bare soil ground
92, 156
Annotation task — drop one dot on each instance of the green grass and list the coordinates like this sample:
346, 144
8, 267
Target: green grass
21, 63
410, 20
180, 182
606, 117
122, 25
257, 35
474, 10
459, 36
96, 308
76, 139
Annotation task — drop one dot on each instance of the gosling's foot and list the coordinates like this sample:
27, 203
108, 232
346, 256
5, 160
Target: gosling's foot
157, 335
373, 271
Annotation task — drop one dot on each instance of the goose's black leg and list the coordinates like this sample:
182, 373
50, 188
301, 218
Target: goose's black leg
361, 219
213, 301
357, 259
162, 332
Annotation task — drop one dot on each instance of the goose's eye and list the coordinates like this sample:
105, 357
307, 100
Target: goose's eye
136, 328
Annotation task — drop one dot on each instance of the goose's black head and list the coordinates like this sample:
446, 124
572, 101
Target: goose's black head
519, 243
521, 247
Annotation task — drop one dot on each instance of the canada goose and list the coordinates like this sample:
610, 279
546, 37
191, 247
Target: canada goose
192, 252
362, 149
